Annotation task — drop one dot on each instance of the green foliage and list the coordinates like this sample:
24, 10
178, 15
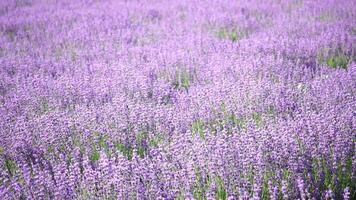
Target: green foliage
156, 140
51, 152
140, 139
10, 166
103, 144
234, 34
268, 175
198, 128
201, 185
315, 170
142, 145
334, 179
265, 191
182, 79
271, 111
286, 174
228, 121
221, 193
222, 33
301, 144
345, 173
328, 176
334, 58
43, 107
232, 120
77, 142
95, 155
83, 193
248, 176
338, 61
214, 125
251, 179
126, 150
180, 196
257, 118
235, 121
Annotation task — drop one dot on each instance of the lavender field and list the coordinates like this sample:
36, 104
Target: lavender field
185, 99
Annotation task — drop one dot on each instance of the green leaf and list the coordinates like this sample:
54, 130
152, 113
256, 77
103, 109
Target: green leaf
221, 193
338, 61
10, 166
257, 118
95, 155
198, 128
127, 151
233, 36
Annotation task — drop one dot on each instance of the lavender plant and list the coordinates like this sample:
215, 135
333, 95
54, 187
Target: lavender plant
177, 99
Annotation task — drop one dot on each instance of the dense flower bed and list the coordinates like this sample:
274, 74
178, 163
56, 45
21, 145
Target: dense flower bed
177, 99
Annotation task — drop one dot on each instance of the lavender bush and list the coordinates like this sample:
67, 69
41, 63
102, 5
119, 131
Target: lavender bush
177, 99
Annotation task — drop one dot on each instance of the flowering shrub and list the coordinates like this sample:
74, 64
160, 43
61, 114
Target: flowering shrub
177, 99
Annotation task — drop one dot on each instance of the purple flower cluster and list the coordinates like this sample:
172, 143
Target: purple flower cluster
151, 99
